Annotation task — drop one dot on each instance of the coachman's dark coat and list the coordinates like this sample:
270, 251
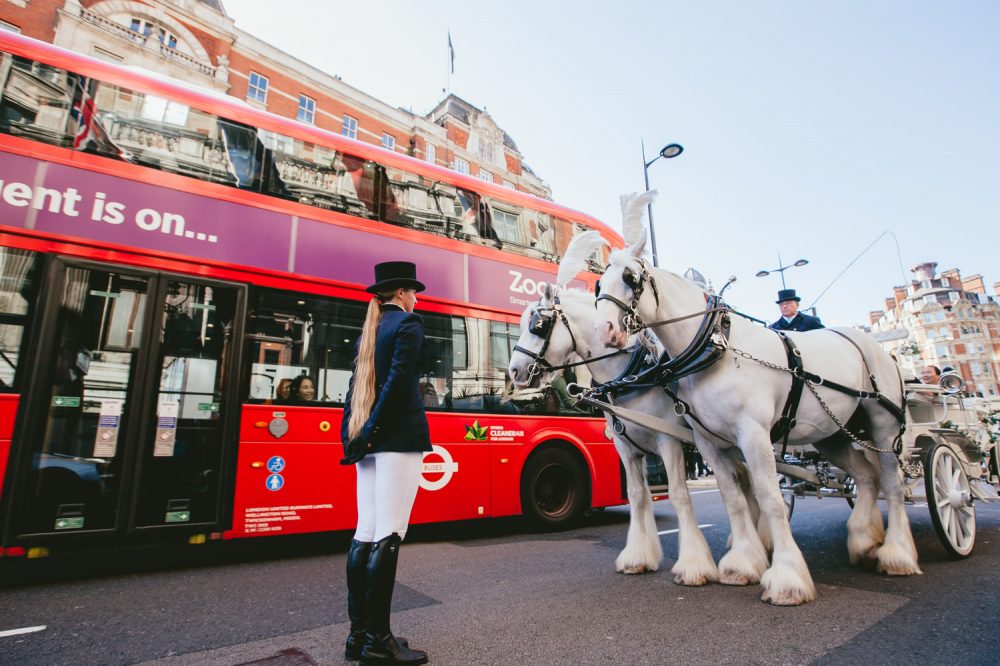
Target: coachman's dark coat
801, 323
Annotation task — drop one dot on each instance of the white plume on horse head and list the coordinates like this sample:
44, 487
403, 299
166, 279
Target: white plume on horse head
633, 229
580, 249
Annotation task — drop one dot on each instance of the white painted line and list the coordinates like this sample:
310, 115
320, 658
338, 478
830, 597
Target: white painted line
22, 630
701, 527
701, 492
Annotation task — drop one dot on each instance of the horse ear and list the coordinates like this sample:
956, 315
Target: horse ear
548, 293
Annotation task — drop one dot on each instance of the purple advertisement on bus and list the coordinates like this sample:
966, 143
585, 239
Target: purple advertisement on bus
76, 203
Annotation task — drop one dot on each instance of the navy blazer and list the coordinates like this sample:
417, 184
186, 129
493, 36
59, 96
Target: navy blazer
397, 421
801, 323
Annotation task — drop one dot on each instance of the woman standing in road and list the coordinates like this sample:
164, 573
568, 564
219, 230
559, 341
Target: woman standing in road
385, 433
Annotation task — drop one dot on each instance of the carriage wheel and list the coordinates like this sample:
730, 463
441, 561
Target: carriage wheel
553, 490
950, 500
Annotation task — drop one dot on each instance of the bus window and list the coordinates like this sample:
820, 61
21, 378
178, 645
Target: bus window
444, 362
36, 101
292, 334
17, 271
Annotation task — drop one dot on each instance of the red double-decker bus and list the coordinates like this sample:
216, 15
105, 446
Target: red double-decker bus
170, 258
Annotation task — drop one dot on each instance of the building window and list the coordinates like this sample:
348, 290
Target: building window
258, 88
431, 153
307, 110
487, 151
485, 175
461, 165
9, 26
349, 127
149, 29
388, 141
505, 225
509, 184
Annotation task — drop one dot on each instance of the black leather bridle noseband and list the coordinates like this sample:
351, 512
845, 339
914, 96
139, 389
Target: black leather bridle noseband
631, 321
541, 324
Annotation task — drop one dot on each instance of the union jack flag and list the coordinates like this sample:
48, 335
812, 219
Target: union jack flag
83, 114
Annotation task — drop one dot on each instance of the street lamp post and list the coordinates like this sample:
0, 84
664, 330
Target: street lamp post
668, 151
781, 269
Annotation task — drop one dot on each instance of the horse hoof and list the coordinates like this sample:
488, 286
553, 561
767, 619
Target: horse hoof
690, 581
899, 570
733, 578
783, 600
633, 569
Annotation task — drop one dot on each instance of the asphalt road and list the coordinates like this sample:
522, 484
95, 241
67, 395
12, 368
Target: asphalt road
494, 593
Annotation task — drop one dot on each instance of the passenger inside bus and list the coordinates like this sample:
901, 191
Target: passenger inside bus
282, 390
302, 390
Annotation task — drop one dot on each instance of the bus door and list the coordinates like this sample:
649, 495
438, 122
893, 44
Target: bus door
127, 419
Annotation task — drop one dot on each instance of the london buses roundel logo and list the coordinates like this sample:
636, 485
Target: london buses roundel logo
439, 467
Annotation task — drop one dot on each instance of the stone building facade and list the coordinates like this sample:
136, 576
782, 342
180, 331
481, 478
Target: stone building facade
945, 320
197, 42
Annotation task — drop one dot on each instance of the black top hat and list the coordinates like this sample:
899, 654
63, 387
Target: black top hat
392, 275
787, 295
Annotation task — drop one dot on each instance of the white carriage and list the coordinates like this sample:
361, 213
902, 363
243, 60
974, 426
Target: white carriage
952, 461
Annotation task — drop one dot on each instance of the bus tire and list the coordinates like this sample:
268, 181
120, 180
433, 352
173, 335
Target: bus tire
554, 490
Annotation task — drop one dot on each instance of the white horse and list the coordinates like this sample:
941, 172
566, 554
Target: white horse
554, 332
738, 399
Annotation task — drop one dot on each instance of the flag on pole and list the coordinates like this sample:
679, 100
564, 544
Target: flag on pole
82, 113
451, 50
88, 133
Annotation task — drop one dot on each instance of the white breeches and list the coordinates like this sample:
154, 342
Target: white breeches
387, 486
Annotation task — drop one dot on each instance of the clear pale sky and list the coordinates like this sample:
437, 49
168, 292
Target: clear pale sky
810, 128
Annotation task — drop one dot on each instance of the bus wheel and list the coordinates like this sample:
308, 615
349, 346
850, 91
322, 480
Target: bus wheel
553, 490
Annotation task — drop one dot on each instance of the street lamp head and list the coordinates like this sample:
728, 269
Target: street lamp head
763, 273
671, 150
801, 262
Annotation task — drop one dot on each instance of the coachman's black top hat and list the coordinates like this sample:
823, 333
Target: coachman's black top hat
392, 275
787, 295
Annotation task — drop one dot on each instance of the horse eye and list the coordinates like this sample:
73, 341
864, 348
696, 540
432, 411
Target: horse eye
597, 288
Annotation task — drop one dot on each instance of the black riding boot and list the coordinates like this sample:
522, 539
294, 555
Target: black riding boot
381, 647
357, 584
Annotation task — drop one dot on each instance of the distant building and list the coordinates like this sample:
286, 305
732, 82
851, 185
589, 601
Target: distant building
945, 320
197, 42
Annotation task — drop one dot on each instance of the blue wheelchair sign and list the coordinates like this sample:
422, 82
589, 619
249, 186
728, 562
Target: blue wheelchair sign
275, 464
275, 482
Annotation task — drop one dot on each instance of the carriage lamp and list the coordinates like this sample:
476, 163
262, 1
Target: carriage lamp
668, 151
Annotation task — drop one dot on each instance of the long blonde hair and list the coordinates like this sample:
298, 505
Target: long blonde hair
363, 398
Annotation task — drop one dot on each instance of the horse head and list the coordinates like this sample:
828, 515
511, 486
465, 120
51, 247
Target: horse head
546, 341
628, 294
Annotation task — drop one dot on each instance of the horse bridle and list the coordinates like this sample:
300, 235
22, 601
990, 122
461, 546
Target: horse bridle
541, 324
630, 319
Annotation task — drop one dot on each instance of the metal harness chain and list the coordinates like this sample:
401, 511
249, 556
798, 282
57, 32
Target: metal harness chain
812, 389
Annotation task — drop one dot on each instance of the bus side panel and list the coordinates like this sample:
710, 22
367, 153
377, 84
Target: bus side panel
8, 410
293, 483
455, 482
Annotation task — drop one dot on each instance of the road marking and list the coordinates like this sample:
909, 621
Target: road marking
22, 630
701, 527
701, 492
